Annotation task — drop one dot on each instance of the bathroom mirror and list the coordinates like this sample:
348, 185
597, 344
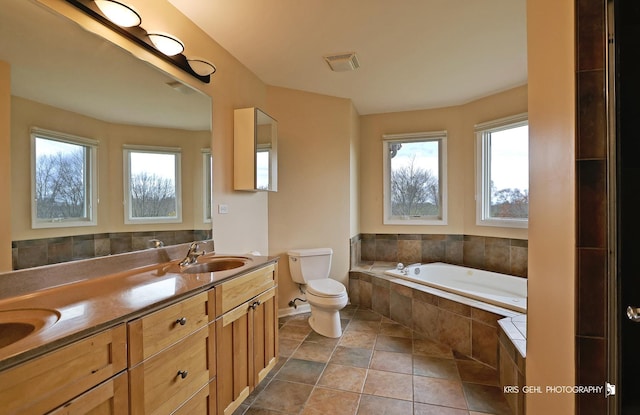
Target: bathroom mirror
255, 150
71, 81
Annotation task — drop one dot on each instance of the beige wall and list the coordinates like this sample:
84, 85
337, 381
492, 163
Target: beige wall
5, 166
111, 137
459, 123
312, 207
551, 308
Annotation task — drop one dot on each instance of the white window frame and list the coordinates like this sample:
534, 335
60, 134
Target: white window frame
177, 152
91, 189
483, 185
440, 136
207, 185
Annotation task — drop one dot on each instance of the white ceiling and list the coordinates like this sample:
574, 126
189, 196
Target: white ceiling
414, 54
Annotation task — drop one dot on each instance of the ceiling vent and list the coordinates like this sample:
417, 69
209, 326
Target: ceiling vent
343, 62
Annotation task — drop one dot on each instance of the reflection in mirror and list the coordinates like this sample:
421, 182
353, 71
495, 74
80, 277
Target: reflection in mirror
255, 150
266, 152
74, 83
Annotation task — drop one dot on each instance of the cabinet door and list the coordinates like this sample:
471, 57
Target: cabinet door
265, 334
108, 398
234, 358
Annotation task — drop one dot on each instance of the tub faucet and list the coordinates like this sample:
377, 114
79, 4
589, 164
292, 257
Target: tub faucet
192, 255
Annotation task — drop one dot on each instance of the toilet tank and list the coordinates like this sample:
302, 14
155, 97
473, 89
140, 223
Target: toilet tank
309, 264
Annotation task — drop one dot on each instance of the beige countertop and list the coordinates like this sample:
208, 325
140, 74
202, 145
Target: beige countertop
88, 306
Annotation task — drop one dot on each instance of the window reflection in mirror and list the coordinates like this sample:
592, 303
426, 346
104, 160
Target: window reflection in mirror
152, 185
63, 180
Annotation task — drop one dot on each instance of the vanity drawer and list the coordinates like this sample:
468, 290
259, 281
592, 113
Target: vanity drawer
46, 382
238, 290
150, 334
165, 381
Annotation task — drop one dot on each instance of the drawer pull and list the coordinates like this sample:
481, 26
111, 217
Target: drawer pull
182, 321
254, 305
182, 373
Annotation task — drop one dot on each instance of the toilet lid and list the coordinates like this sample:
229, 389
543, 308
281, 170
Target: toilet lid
326, 287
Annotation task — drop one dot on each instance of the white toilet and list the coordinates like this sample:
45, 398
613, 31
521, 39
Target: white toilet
325, 295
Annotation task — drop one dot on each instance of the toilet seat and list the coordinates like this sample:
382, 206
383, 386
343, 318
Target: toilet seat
326, 287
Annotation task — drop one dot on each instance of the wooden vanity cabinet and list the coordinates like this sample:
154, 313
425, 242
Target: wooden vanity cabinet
109, 398
246, 335
71, 379
172, 359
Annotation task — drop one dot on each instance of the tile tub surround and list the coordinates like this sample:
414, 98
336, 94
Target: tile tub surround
376, 367
470, 328
507, 256
512, 361
46, 251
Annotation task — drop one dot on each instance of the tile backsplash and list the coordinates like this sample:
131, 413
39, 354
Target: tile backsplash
504, 255
36, 252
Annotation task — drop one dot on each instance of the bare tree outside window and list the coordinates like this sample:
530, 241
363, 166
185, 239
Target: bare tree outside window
60, 180
152, 196
414, 191
153, 185
414, 182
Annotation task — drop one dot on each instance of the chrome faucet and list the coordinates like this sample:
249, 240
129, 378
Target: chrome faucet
192, 255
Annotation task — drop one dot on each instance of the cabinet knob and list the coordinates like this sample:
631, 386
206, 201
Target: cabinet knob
182, 373
182, 321
254, 305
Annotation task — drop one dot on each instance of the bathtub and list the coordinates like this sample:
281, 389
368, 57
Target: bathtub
501, 290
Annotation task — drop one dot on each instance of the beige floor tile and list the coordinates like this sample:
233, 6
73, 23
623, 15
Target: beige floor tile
363, 325
392, 362
376, 367
314, 337
394, 344
288, 397
426, 409
287, 346
330, 401
485, 398
389, 385
301, 371
395, 329
313, 351
476, 372
294, 332
346, 378
435, 367
351, 356
436, 391
376, 405
360, 339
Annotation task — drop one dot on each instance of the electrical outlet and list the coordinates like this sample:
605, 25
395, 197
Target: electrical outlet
223, 209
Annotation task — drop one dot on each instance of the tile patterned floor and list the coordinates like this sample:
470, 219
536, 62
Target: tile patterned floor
377, 367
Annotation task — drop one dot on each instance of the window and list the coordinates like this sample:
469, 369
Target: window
415, 184
263, 167
207, 183
63, 180
152, 185
503, 172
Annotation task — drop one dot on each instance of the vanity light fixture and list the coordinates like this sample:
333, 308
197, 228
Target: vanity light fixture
166, 44
163, 46
119, 13
201, 67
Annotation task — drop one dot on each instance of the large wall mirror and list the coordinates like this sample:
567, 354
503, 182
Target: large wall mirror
71, 82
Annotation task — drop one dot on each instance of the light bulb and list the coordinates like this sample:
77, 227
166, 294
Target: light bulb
166, 44
119, 13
